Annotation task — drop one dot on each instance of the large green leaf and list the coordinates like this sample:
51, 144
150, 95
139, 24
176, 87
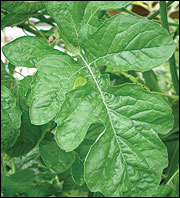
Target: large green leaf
54, 157
77, 12
21, 7
27, 50
127, 43
119, 155
55, 77
10, 119
128, 157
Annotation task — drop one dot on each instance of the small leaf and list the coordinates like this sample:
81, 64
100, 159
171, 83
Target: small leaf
55, 158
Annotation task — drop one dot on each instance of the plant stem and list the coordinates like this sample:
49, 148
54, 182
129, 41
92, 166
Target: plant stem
158, 11
17, 72
13, 166
40, 33
27, 28
172, 62
176, 32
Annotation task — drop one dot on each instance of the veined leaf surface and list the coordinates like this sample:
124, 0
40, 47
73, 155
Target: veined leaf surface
10, 119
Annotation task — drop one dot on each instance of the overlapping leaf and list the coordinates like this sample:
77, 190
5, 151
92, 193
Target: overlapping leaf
54, 157
10, 119
22, 7
55, 77
127, 43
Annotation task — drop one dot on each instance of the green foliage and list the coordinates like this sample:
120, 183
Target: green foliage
86, 124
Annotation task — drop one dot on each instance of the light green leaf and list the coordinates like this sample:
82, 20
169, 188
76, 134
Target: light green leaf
95, 8
17, 183
127, 43
55, 77
132, 116
54, 157
10, 119
69, 25
26, 51
128, 155
21, 7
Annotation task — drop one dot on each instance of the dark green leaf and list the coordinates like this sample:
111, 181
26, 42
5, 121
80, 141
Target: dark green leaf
10, 119
78, 171
28, 139
13, 19
55, 158
17, 183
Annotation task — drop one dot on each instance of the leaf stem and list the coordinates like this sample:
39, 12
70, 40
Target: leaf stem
172, 62
158, 11
40, 33
17, 72
13, 166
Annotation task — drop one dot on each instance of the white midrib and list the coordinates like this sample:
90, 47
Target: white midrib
102, 96
103, 99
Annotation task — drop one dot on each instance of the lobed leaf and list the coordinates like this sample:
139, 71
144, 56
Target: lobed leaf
127, 43
26, 51
55, 77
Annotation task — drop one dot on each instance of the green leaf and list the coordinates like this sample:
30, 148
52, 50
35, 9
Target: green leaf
78, 171
97, 194
54, 157
174, 184
13, 19
172, 144
163, 191
127, 43
55, 77
10, 119
28, 139
17, 183
21, 7
93, 132
26, 51
128, 154
95, 8
76, 12
69, 26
